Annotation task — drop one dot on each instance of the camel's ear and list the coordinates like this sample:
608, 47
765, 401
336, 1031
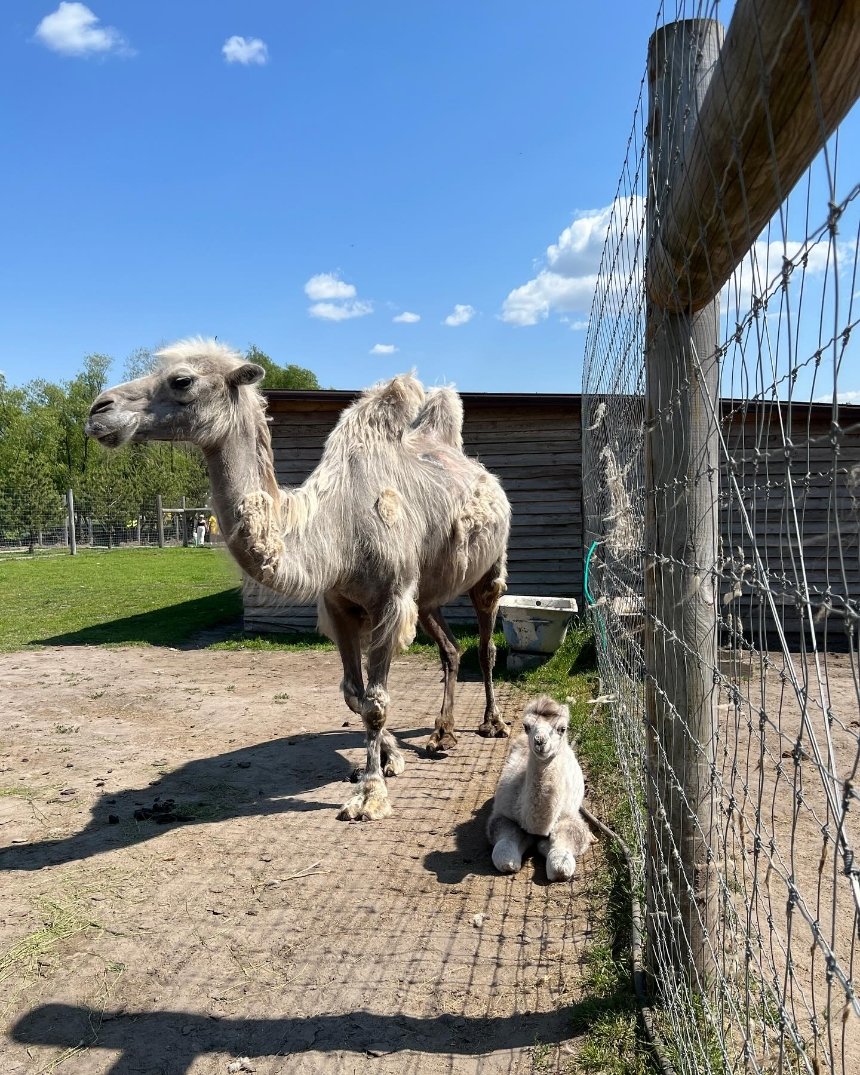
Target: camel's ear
247, 373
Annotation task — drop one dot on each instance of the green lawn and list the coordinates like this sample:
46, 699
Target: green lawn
128, 597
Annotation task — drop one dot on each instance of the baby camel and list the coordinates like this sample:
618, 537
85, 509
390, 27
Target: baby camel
539, 796
394, 523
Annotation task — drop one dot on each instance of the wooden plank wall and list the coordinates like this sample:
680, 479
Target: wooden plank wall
534, 448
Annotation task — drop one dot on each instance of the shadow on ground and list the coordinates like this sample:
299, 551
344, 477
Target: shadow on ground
184, 1036
161, 627
263, 779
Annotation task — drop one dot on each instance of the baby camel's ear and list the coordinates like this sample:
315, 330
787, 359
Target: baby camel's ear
247, 373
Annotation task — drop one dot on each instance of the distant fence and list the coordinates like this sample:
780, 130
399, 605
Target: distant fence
721, 492
59, 525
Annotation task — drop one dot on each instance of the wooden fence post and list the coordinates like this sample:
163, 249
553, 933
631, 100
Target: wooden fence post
159, 510
681, 545
70, 512
184, 525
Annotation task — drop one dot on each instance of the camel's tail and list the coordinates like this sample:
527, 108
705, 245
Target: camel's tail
398, 623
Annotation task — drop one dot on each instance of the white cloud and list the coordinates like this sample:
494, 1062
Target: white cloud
383, 349
328, 285
548, 292
580, 245
74, 30
331, 311
565, 284
245, 50
851, 396
462, 315
761, 269
406, 318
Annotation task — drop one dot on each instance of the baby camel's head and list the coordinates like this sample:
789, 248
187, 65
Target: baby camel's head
545, 723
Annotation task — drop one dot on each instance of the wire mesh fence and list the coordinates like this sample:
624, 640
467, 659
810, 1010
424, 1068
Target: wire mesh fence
721, 473
50, 524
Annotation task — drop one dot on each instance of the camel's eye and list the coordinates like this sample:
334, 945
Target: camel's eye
527, 726
181, 382
560, 729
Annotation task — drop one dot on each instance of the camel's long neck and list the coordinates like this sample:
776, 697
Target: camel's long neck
248, 505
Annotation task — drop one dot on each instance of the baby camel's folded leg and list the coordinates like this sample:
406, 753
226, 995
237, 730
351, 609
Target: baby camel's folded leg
570, 839
509, 842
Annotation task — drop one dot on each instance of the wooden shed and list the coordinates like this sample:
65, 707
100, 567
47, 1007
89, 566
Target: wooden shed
792, 493
530, 441
790, 515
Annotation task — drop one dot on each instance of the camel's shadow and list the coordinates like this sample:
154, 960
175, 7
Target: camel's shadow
472, 854
174, 1040
266, 778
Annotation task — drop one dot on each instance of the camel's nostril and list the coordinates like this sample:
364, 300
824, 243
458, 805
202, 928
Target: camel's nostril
103, 403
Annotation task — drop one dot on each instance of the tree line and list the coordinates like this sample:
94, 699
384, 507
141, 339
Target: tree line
44, 451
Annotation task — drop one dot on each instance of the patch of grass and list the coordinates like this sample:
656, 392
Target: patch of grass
291, 641
268, 643
18, 792
157, 597
61, 918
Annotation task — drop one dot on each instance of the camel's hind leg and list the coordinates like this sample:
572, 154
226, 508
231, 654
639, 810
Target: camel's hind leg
485, 596
433, 622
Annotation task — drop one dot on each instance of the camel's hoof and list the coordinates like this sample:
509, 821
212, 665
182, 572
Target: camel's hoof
370, 803
497, 730
394, 766
440, 742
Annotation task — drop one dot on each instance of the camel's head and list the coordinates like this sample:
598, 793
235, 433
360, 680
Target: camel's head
194, 395
545, 723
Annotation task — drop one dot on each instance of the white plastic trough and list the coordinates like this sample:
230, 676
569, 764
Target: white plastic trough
534, 628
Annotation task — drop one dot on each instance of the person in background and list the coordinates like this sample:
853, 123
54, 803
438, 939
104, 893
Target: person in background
200, 531
213, 529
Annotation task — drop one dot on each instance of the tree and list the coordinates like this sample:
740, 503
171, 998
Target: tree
139, 363
281, 376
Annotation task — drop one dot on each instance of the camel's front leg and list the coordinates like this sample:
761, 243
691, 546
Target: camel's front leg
370, 801
570, 838
485, 598
343, 624
510, 843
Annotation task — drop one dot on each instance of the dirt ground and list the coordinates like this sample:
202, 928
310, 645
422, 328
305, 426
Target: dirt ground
178, 896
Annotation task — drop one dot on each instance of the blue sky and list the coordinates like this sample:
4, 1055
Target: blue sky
303, 176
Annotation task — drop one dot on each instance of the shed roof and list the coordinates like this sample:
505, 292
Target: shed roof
287, 396
290, 398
